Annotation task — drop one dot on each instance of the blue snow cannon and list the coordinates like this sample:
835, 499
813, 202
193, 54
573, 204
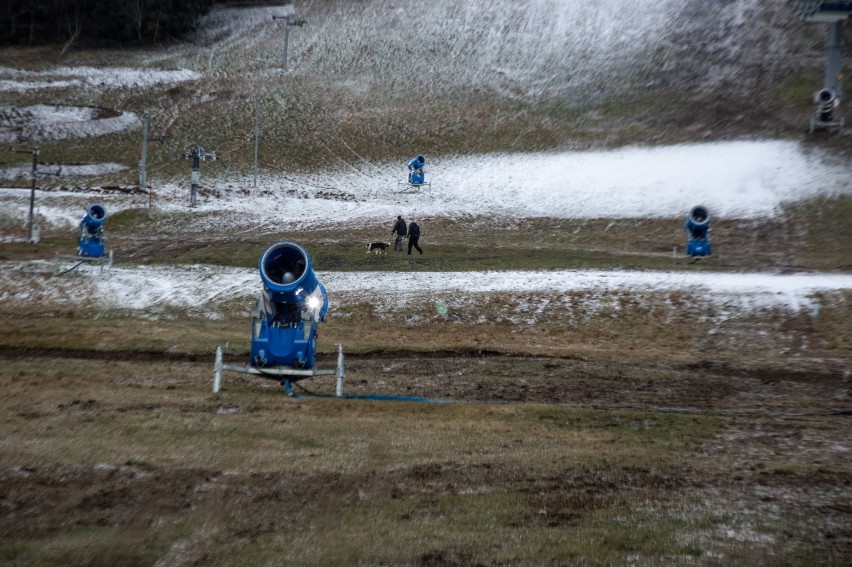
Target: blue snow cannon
289, 309
416, 175
92, 239
697, 228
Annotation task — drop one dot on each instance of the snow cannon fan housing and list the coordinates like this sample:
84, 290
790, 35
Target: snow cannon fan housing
828, 101
698, 230
415, 169
92, 239
290, 308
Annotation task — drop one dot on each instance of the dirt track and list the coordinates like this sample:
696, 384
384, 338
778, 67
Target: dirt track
775, 452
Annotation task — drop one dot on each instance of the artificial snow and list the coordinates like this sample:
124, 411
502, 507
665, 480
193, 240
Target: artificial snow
89, 169
742, 179
195, 286
58, 122
20, 80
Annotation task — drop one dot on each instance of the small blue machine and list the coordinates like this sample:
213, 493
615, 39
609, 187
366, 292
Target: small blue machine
92, 239
697, 228
416, 175
291, 306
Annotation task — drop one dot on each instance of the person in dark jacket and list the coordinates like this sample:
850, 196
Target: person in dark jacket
399, 229
414, 236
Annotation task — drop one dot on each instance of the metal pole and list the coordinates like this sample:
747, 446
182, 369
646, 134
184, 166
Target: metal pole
339, 373
143, 164
32, 197
217, 371
256, 132
196, 177
286, 40
835, 53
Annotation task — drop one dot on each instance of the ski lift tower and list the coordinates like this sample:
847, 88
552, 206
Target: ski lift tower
33, 226
197, 155
828, 98
143, 163
288, 21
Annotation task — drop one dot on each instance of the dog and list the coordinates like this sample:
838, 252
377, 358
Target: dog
378, 247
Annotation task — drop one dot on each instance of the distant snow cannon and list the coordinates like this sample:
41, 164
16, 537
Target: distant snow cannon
290, 308
92, 239
697, 228
416, 175
827, 100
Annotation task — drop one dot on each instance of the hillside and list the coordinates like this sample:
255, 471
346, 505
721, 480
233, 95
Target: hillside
551, 382
368, 83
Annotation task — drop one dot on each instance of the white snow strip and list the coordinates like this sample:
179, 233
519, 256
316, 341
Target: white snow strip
746, 179
57, 122
194, 286
733, 179
25, 171
109, 77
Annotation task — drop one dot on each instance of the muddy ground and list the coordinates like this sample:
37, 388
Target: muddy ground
119, 462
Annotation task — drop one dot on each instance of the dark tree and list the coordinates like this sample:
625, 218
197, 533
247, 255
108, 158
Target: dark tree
97, 22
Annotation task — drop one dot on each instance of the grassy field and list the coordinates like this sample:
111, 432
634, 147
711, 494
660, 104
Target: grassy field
637, 435
135, 462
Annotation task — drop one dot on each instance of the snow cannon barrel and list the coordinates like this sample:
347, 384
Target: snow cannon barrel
827, 101
417, 162
290, 308
289, 279
92, 242
697, 228
416, 175
95, 216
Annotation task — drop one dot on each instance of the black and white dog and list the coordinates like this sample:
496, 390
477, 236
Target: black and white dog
378, 247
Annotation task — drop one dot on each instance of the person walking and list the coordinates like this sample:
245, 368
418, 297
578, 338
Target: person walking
414, 236
400, 230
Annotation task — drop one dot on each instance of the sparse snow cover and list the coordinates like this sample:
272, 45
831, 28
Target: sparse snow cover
90, 169
747, 179
57, 122
100, 77
201, 288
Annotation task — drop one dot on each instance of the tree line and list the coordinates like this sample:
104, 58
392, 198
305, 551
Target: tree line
97, 22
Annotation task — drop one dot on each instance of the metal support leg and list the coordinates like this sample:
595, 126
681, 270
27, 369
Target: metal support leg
340, 372
217, 370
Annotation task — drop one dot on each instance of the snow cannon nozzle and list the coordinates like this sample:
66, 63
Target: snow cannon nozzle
416, 175
95, 216
92, 242
417, 162
697, 228
827, 100
288, 277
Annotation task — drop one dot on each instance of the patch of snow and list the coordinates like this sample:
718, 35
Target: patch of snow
201, 287
745, 179
100, 77
57, 122
732, 179
64, 209
25, 171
